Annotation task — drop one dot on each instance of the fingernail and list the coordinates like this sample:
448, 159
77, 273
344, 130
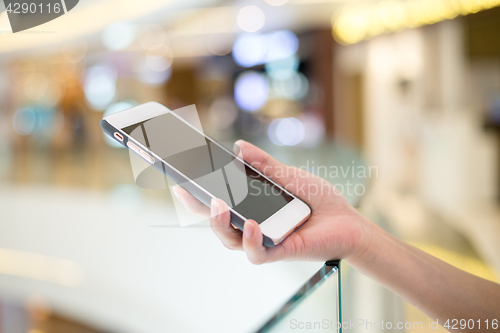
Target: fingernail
236, 147
214, 208
248, 230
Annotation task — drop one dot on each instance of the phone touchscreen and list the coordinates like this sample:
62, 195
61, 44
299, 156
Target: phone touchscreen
211, 167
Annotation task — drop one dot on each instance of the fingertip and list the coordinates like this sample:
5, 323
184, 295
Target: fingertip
237, 147
239, 142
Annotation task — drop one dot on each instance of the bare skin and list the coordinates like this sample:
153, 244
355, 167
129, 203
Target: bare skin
336, 230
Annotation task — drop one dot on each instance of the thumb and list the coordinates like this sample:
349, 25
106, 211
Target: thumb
252, 243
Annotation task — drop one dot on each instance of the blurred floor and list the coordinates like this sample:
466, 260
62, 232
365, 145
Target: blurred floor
129, 268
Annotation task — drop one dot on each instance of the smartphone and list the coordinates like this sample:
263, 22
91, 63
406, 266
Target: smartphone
206, 169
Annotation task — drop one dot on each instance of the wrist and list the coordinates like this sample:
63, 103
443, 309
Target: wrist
371, 243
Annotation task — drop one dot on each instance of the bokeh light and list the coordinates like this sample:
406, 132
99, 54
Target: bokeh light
75, 50
22, 70
152, 36
314, 130
160, 59
256, 49
295, 87
250, 18
36, 86
53, 94
42, 122
283, 68
250, 50
118, 36
286, 131
271, 132
277, 2
63, 70
24, 121
352, 25
100, 86
281, 44
220, 44
251, 91
223, 112
49, 123
357, 22
145, 74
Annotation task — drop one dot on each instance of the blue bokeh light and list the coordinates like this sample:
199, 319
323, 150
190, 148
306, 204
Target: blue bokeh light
283, 68
286, 131
118, 36
281, 44
100, 86
251, 91
250, 50
24, 121
295, 87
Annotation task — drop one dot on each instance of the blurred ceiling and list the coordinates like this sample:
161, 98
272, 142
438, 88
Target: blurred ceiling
185, 19
90, 17
189, 22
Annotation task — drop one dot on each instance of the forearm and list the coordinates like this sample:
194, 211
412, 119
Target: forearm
440, 290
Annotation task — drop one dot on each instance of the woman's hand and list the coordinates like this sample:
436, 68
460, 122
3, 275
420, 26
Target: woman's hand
335, 229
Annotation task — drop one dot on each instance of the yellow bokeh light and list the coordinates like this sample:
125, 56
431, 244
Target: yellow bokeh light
352, 25
392, 14
361, 21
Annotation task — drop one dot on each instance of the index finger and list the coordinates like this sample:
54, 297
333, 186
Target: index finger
297, 181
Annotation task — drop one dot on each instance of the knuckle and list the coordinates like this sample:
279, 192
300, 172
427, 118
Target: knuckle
265, 159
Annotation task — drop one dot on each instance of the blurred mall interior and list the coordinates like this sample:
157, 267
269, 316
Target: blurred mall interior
410, 88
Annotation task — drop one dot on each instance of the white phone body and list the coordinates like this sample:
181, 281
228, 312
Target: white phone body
277, 227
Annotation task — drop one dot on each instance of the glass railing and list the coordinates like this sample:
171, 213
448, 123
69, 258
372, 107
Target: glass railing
316, 306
